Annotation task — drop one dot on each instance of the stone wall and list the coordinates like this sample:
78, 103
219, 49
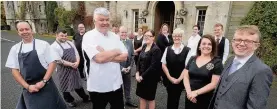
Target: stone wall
238, 11
91, 5
217, 12
129, 7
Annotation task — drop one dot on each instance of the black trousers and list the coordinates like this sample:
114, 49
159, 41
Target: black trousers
173, 96
81, 92
81, 64
100, 100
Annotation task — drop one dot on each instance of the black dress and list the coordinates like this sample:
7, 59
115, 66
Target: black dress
137, 44
149, 66
200, 77
175, 64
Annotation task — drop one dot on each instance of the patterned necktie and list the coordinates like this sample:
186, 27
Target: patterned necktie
234, 67
124, 42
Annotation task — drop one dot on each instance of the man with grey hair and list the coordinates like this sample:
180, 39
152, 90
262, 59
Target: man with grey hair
104, 51
126, 66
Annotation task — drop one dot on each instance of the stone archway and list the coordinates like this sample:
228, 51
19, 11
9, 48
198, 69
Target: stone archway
164, 13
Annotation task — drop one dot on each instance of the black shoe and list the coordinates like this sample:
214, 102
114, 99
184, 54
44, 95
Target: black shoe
131, 104
72, 104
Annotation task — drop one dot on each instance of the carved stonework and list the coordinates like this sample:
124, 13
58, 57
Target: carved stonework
145, 12
183, 12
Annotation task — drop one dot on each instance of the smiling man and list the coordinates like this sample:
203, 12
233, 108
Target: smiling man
126, 66
67, 69
32, 62
245, 81
104, 51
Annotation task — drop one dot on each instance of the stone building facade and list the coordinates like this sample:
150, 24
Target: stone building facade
182, 14
35, 14
152, 14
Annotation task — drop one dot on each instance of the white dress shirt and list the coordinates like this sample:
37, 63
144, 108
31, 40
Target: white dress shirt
226, 49
176, 51
57, 48
104, 77
242, 60
192, 43
46, 55
166, 36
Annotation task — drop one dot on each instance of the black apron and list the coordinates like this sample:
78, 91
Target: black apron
68, 77
32, 72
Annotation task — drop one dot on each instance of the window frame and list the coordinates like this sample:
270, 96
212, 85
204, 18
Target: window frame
199, 22
135, 19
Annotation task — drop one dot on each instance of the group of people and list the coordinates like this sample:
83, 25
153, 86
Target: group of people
104, 58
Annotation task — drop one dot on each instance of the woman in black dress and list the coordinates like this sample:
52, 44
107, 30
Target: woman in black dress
137, 44
173, 63
164, 40
202, 74
148, 71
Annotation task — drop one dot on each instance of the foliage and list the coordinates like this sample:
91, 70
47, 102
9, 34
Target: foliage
3, 16
50, 15
64, 17
81, 13
264, 15
22, 10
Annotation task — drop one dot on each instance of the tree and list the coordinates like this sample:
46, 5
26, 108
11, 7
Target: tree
22, 11
264, 15
50, 7
3, 15
65, 18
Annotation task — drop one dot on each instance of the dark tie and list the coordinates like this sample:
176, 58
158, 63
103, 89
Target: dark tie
234, 67
217, 41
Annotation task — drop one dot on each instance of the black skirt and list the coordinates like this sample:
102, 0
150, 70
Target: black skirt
147, 90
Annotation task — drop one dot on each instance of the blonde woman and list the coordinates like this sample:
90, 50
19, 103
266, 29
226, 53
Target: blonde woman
173, 61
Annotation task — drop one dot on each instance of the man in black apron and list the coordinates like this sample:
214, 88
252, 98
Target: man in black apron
67, 69
32, 64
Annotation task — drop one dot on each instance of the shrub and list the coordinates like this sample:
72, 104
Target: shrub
264, 15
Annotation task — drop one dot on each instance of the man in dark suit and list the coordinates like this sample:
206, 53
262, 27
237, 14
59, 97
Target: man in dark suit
245, 81
126, 66
77, 40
